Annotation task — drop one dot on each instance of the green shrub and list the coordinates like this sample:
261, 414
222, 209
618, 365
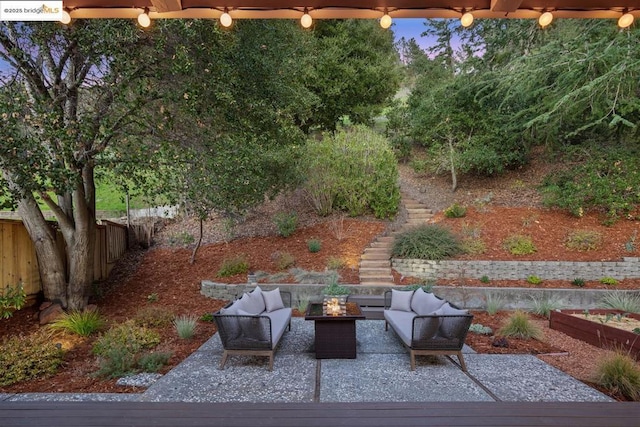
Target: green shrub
207, 317
333, 288
518, 244
431, 241
520, 326
544, 307
534, 280
153, 317
286, 223
185, 326
23, 358
13, 298
578, 282
623, 301
314, 245
354, 170
153, 362
128, 336
619, 373
495, 303
426, 286
606, 182
116, 362
283, 260
473, 246
335, 263
584, 240
478, 328
484, 279
82, 323
232, 266
455, 211
609, 281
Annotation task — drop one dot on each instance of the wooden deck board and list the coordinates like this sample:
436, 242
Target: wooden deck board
319, 414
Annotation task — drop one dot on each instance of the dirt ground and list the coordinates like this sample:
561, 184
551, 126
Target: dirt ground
162, 275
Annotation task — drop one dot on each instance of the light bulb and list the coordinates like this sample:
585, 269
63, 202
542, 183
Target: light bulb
306, 20
385, 21
143, 20
226, 20
66, 18
625, 20
466, 19
545, 19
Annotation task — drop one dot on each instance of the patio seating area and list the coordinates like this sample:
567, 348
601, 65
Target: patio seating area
375, 389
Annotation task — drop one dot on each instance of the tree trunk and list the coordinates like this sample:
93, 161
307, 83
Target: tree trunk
454, 177
195, 250
51, 260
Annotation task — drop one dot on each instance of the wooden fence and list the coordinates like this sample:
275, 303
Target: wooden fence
19, 264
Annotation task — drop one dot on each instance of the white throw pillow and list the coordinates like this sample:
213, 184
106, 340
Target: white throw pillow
252, 303
272, 300
401, 300
424, 303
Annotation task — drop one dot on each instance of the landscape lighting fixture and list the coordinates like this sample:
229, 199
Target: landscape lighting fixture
143, 19
385, 21
625, 20
225, 19
466, 19
66, 17
545, 19
306, 19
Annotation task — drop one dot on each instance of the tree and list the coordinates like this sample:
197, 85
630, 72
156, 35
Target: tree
355, 71
75, 90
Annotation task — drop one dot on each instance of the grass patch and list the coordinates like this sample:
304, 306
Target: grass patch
520, 326
584, 240
431, 242
235, 265
629, 303
619, 373
83, 323
518, 244
185, 326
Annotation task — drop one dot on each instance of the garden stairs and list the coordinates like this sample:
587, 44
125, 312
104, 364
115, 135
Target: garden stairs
375, 262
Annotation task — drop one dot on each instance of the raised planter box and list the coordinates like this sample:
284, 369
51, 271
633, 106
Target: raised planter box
596, 333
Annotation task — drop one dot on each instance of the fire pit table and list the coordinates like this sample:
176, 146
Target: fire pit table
335, 334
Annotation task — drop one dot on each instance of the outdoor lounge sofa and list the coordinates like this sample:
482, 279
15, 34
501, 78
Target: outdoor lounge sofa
254, 324
426, 324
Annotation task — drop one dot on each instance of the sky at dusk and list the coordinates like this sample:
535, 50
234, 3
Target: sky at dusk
407, 28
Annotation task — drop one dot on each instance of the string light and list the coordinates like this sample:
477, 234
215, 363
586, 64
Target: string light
143, 19
225, 19
625, 20
66, 17
545, 19
385, 21
306, 19
466, 19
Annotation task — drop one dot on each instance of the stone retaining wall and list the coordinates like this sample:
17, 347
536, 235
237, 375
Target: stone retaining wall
629, 268
473, 298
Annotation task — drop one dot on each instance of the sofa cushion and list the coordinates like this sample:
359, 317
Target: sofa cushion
401, 322
252, 302
279, 321
254, 327
401, 300
272, 300
424, 303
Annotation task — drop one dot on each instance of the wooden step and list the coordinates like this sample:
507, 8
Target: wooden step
370, 282
375, 271
372, 251
413, 211
375, 256
385, 239
379, 245
383, 263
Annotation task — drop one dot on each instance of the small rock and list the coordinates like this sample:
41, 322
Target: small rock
45, 305
50, 314
145, 379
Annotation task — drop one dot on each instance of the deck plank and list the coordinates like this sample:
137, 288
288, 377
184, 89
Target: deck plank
92, 414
